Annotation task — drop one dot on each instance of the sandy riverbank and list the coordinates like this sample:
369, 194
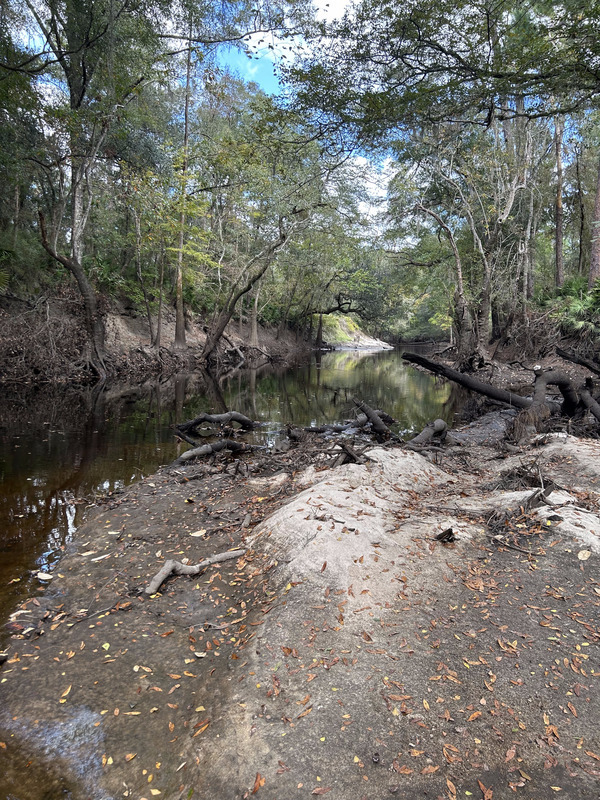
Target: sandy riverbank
348, 653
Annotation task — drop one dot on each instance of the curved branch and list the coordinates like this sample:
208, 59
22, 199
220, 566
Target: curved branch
177, 568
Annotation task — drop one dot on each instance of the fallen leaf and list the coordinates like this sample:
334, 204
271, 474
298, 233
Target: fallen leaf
582, 555
321, 790
487, 793
259, 781
130, 756
474, 715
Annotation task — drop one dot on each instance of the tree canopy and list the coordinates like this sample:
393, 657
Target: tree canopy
430, 168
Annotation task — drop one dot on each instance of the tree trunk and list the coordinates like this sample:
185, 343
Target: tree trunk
594, 273
237, 291
254, 319
319, 339
581, 250
138, 270
180, 342
468, 382
483, 313
94, 323
462, 317
559, 267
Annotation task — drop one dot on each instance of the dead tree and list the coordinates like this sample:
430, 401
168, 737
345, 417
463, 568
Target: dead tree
533, 410
481, 387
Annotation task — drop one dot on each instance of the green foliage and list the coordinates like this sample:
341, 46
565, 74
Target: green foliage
467, 203
576, 309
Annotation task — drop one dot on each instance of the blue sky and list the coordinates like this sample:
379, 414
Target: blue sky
261, 70
261, 67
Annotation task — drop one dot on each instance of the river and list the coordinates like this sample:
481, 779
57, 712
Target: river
61, 449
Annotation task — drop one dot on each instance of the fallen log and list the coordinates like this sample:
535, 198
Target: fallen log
218, 419
377, 423
216, 447
535, 409
435, 432
360, 422
177, 568
481, 387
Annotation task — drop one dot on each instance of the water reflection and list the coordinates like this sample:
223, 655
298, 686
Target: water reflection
57, 448
322, 391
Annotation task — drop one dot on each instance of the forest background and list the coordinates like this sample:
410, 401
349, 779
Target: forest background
431, 169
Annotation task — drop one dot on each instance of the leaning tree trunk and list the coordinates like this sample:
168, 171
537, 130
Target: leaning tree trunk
240, 289
94, 323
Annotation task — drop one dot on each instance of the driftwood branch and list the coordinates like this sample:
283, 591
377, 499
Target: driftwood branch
349, 455
575, 359
435, 432
218, 419
377, 423
216, 447
177, 568
360, 422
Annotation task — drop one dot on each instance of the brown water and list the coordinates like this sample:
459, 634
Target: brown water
59, 450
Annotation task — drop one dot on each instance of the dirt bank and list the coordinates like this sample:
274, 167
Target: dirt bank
348, 653
45, 340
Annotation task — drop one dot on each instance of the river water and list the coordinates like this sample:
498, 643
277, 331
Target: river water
60, 449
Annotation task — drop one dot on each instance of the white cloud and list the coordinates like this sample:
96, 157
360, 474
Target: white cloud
333, 9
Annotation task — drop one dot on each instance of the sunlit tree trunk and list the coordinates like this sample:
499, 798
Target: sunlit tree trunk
254, 319
594, 273
559, 267
580, 203
180, 342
